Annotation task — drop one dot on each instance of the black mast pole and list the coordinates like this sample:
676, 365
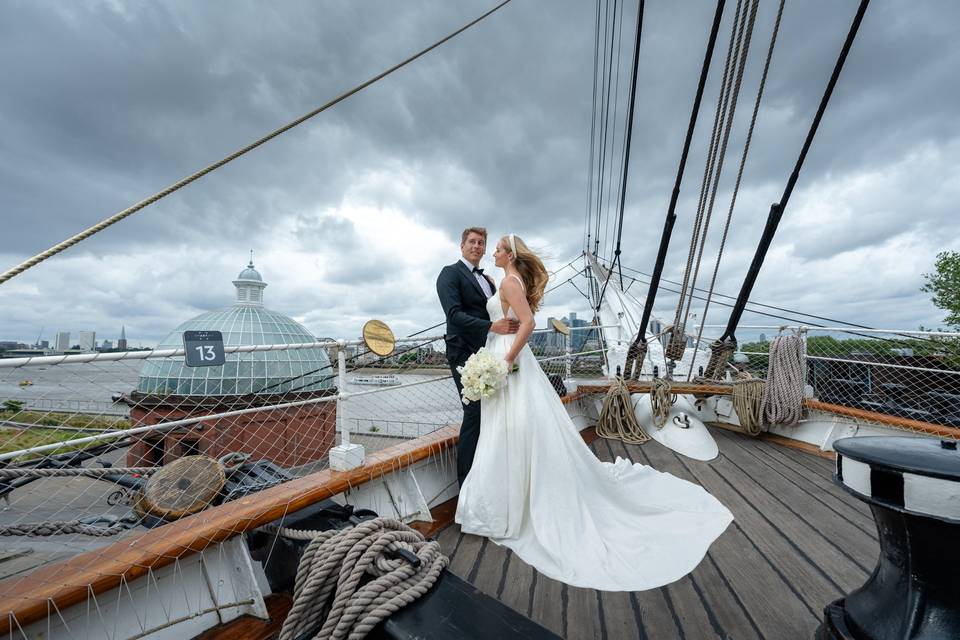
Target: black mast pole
777, 208
639, 346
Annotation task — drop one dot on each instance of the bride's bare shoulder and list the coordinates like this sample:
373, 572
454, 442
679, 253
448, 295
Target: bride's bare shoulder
509, 284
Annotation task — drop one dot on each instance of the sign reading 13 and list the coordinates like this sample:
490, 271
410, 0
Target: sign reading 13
203, 348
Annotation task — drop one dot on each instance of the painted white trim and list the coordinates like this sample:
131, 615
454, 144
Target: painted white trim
931, 496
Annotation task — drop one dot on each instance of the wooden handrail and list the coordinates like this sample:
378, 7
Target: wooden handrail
928, 428
26, 599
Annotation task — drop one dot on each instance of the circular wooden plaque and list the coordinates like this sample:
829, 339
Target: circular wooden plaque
186, 485
378, 337
559, 327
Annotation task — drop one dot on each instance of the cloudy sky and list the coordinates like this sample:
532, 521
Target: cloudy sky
351, 215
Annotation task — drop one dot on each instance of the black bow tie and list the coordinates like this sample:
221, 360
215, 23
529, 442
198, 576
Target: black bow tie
478, 270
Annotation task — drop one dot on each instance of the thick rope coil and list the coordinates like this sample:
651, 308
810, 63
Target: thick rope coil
783, 396
82, 472
747, 399
617, 419
660, 401
335, 563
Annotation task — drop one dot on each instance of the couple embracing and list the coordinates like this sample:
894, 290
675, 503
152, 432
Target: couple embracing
527, 479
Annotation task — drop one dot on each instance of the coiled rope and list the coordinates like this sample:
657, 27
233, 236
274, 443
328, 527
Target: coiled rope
783, 396
328, 589
617, 419
747, 399
660, 401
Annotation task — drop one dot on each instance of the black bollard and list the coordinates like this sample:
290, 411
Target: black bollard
912, 486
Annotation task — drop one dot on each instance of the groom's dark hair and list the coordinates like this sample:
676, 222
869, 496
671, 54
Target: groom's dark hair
480, 231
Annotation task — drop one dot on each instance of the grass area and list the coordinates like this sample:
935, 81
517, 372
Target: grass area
80, 421
17, 439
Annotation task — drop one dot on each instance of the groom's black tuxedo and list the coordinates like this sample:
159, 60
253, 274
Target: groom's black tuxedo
465, 306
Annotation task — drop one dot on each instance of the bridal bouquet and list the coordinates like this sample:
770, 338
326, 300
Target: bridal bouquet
482, 375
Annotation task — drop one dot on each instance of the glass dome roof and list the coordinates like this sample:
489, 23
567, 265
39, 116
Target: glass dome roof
263, 372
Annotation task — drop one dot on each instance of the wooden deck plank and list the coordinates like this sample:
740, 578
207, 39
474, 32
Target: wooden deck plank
722, 602
695, 620
657, 618
856, 510
821, 466
815, 569
467, 555
491, 571
784, 496
768, 597
517, 586
681, 597
548, 603
583, 615
621, 615
449, 538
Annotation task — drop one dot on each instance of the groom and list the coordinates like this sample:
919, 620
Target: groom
463, 289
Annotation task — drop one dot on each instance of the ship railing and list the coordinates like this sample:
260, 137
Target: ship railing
912, 376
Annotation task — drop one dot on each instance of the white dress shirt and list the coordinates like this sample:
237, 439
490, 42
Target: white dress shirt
484, 283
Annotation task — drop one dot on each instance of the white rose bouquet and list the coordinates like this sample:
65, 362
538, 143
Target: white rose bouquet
482, 375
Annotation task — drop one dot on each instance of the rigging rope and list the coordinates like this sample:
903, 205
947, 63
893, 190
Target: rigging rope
64, 527
625, 161
737, 53
777, 208
638, 347
84, 472
328, 592
66, 244
733, 99
736, 188
617, 420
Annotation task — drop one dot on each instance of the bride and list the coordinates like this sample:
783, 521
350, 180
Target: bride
536, 488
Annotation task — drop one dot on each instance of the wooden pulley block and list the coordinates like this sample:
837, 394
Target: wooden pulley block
186, 485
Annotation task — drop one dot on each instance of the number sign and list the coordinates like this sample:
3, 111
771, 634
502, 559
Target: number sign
203, 348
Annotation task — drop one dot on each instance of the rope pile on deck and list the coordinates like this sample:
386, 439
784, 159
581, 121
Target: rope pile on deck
334, 595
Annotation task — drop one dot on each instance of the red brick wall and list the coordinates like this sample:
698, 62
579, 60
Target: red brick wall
287, 437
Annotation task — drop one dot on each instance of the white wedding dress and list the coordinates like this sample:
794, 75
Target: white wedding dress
536, 488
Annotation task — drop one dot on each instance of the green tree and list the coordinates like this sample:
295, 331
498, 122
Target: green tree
13, 406
944, 284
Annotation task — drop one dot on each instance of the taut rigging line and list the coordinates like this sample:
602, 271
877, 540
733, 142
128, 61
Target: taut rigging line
117, 217
638, 347
626, 152
727, 343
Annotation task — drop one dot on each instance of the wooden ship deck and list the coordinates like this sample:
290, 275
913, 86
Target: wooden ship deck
797, 543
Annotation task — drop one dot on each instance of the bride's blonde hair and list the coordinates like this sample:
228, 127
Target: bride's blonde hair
530, 268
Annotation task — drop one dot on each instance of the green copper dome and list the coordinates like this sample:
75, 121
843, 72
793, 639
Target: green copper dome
247, 322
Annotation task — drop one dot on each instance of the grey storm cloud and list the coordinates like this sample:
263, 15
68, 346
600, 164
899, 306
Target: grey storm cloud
353, 213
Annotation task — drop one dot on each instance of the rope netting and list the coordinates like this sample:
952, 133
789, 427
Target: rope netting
85, 439
908, 380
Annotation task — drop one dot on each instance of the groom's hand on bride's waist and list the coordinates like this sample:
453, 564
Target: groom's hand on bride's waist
505, 325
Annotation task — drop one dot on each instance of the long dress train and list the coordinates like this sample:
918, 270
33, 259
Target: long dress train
536, 488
